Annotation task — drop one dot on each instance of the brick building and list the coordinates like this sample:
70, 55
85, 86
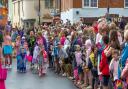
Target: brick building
92, 9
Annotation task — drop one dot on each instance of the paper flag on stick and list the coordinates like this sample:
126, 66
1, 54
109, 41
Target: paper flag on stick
1, 17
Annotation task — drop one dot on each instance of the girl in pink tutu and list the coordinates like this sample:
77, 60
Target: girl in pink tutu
7, 49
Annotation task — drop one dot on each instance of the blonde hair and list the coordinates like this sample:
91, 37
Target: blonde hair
103, 26
112, 26
115, 52
78, 48
126, 35
18, 38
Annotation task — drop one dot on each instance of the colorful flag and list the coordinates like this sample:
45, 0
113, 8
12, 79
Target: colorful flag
1, 17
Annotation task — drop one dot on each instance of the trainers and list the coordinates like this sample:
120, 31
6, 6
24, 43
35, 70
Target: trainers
64, 75
71, 78
7, 67
89, 87
10, 66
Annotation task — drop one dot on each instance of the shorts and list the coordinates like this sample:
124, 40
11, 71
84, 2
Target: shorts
105, 80
7, 49
80, 70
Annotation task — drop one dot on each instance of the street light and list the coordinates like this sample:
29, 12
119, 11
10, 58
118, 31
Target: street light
108, 6
108, 9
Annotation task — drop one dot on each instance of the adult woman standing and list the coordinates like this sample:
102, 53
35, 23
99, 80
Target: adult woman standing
114, 44
104, 66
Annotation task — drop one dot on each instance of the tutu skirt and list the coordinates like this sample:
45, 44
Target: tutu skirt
7, 49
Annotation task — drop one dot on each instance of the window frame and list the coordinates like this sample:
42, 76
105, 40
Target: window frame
89, 4
125, 4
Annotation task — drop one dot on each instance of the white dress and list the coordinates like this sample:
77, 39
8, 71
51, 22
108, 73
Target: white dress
35, 54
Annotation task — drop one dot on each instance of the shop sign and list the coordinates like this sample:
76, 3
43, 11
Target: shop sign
116, 19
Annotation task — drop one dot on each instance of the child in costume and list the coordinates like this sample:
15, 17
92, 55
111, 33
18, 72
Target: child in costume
78, 57
21, 57
114, 66
87, 68
40, 61
7, 50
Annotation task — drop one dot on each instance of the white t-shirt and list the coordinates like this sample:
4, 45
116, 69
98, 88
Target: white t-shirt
98, 38
114, 67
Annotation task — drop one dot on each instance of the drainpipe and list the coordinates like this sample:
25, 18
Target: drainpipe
60, 8
19, 11
39, 12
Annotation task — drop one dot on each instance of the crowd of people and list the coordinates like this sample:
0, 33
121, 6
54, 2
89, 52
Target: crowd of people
93, 57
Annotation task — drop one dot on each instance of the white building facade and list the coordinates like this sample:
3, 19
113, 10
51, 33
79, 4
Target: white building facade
26, 12
92, 9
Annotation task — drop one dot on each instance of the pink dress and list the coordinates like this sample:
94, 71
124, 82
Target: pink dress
45, 64
78, 58
2, 84
62, 40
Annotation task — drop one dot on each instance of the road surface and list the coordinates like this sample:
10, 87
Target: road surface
28, 80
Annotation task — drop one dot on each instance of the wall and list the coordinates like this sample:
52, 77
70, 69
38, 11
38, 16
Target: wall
67, 15
10, 9
101, 4
91, 12
112, 3
15, 14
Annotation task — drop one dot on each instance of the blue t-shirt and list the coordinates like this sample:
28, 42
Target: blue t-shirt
124, 55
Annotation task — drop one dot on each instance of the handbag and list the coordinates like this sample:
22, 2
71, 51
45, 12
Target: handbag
3, 74
29, 58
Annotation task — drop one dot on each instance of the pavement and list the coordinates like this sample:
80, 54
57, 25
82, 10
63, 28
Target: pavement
28, 80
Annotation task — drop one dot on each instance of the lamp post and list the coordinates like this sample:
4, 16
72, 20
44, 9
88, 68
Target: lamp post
108, 6
108, 9
60, 6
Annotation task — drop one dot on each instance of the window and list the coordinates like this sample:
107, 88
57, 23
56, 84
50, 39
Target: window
93, 3
90, 3
86, 3
48, 3
126, 3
